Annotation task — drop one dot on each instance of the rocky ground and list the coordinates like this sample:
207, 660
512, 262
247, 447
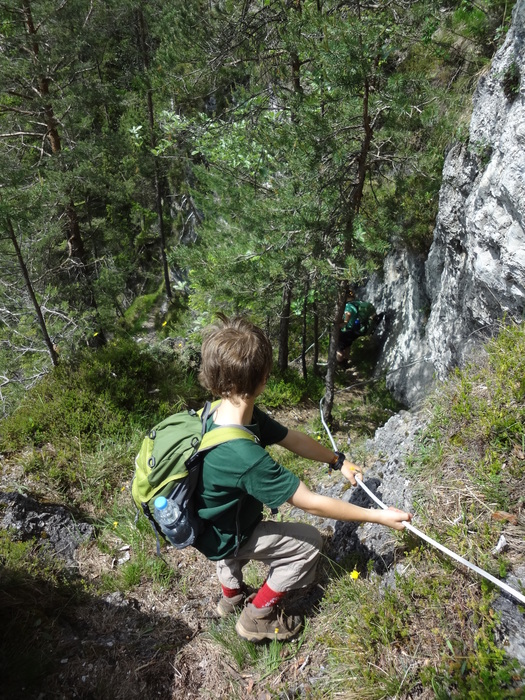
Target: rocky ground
168, 641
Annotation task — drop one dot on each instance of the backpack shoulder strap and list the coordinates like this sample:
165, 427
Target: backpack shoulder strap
225, 433
222, 433
206, 411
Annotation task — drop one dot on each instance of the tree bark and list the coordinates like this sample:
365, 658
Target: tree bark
41, 321
315, 360
304, 334
328, 402
77, 252
76, 249
156, 167
284, 327
353, 208
52, 134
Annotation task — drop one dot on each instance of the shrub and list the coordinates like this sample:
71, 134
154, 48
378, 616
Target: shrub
289, 389
72, 420
511, 81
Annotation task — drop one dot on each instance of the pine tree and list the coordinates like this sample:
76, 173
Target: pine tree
286, 167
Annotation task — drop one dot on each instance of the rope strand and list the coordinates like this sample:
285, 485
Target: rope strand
511, 591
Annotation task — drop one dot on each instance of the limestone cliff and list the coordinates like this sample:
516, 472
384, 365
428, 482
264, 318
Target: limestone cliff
439, 310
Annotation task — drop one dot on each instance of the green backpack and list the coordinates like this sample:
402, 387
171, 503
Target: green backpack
169, 461
361, 314
365, 313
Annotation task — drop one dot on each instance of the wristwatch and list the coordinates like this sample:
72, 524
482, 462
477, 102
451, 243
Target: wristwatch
338, 462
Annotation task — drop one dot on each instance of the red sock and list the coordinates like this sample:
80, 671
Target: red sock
230, 592
265, 597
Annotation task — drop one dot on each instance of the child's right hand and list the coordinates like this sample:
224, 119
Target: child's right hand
394, 518
350, 470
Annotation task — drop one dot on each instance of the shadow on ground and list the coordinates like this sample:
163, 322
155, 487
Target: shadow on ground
60, 642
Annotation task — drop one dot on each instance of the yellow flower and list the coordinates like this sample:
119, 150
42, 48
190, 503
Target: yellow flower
165, 322
115, 524
355, 574
318, 437
95, 334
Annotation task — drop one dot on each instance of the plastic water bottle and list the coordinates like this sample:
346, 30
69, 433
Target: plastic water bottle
172, 523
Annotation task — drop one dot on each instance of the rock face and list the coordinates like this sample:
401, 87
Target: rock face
51, 525
439, 310
386, 479
400, 292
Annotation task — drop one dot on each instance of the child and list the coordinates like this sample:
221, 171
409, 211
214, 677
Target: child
238, 477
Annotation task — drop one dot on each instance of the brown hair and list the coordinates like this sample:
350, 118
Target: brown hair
236, 357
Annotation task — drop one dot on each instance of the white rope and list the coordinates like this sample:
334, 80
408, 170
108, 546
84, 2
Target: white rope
409, 526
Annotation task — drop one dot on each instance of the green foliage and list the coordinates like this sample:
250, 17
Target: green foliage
481, 22
80, 418
143, 567
511, 81
290, 388
258, 188
479, 673
78, 198
266, 658
276, 192
140, 311
473, 445
364, 620
482, 428
260, 182
476, 439
366, 406
372, 632
223, 633
482, 150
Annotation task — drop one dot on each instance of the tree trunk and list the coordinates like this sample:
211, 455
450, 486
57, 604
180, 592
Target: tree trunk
353, 208
304, 336
156, 167
284, 327
315, 360
295, 64
328, 402
41, 321
76, 250
77, 253
75, 244
52, 134
162, 232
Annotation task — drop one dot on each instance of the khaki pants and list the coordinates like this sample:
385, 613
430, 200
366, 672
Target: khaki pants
290, 550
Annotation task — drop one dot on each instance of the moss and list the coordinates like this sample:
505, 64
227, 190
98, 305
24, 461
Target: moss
511, 81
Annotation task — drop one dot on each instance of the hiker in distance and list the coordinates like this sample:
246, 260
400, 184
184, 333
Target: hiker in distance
359, 318
239, 477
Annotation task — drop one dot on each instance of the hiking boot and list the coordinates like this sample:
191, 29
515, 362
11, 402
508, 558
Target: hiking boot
227, 606
257, 624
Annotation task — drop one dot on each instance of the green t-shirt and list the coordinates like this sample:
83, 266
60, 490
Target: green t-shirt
237, 479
